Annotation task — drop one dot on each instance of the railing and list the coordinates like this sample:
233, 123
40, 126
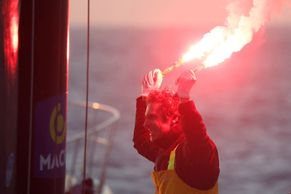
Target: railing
100, 132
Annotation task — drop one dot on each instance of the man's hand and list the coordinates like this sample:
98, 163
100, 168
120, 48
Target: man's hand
152, 81
185, 83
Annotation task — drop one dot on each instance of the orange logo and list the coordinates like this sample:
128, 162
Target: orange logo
58, 126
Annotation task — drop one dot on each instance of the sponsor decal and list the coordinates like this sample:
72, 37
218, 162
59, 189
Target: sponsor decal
50, 136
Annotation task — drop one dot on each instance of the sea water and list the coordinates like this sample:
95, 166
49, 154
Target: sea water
245, 102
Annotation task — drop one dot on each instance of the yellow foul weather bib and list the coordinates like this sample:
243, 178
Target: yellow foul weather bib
168, 182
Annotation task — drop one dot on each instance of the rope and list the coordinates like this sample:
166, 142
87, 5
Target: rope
87, 95
31, 97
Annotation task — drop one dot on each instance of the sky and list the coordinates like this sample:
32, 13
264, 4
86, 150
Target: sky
159, 13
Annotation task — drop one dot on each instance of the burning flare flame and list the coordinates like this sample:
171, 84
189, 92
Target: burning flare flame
222, 41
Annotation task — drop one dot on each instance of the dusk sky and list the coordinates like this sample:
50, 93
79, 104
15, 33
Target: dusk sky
160, 13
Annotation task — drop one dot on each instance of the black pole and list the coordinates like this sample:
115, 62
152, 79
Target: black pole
42, 96
8, 93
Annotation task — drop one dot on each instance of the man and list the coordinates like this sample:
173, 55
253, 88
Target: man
169, 131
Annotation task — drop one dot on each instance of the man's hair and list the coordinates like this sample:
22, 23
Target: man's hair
167, 98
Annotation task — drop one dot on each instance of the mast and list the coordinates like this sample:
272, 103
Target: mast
8, 93
35, 95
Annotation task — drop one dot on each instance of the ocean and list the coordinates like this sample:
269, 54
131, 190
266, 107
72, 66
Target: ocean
245, 103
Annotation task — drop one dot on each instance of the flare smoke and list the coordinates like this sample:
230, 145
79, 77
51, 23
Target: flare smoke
245, 18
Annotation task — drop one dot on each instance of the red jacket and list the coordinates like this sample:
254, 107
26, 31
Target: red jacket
196, 162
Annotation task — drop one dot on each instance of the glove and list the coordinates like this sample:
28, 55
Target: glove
152, 81
185, 83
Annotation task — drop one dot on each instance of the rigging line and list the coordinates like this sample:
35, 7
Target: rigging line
31, 97
87, 93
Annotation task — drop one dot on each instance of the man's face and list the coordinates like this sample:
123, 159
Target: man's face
155, 122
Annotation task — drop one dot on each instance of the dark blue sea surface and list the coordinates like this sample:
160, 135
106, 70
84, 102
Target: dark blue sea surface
245, 102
